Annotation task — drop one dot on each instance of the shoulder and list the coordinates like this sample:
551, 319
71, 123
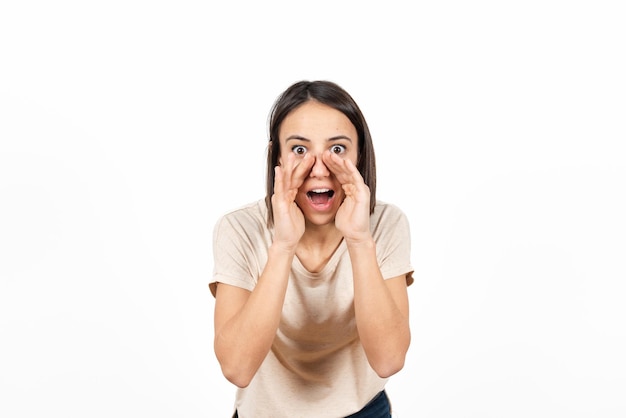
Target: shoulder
387, 212
252, 211
251, 216
388, 222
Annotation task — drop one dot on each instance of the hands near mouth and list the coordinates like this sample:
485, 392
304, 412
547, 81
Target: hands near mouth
288, 218
352, 218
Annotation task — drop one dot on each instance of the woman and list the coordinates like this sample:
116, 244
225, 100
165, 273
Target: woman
311, 310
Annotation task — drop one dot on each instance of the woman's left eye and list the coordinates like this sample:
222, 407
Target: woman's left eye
338, 149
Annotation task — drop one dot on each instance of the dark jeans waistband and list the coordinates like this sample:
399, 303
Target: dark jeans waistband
378, 407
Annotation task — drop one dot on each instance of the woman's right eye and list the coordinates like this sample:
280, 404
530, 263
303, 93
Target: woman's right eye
298, 150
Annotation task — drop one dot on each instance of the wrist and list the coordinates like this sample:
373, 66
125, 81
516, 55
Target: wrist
366, 242
279, 248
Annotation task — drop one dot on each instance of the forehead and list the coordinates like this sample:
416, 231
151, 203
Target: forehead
314, 120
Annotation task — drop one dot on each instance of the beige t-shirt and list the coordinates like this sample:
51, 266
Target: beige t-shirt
317, 366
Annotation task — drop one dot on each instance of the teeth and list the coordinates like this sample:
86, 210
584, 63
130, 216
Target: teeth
320, 190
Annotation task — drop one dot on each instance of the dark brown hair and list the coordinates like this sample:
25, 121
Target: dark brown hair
332, 95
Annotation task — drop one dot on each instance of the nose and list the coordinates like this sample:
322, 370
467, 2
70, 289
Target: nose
319, 168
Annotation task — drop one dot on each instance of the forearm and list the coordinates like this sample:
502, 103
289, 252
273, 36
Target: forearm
382, 324
242, 342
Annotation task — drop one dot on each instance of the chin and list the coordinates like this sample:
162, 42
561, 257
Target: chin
320, 219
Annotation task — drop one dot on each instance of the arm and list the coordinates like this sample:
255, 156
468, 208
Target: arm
246, 322
382, 311
381, 306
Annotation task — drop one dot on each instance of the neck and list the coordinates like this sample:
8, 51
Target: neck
320, 236
317, 246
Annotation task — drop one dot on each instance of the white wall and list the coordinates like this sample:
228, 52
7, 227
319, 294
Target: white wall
128, 127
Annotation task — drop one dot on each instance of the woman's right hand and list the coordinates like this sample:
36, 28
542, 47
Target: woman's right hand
288, 218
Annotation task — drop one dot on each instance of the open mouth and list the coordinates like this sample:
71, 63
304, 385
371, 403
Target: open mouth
320, 196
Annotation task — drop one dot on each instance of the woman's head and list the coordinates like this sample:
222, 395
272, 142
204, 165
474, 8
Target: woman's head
331, 95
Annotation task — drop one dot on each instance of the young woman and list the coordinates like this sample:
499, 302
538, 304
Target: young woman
310, 283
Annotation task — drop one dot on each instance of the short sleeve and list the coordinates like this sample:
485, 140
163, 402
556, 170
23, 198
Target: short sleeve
234, 260
393, 242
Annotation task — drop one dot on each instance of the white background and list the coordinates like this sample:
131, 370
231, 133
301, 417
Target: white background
128, 127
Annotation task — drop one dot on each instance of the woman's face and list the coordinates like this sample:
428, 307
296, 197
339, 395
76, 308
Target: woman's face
315, 128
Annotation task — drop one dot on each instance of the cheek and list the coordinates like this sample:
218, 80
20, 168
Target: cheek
354, 156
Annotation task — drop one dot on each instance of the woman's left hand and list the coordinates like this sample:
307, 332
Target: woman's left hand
353, 216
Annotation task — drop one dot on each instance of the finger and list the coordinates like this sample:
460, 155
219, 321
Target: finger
302, 170
282, 192
349, 189
289, 164
343, 169
286, 169
334, 163
288, 177
278, 179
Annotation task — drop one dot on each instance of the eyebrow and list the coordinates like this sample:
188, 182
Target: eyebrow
333, 138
